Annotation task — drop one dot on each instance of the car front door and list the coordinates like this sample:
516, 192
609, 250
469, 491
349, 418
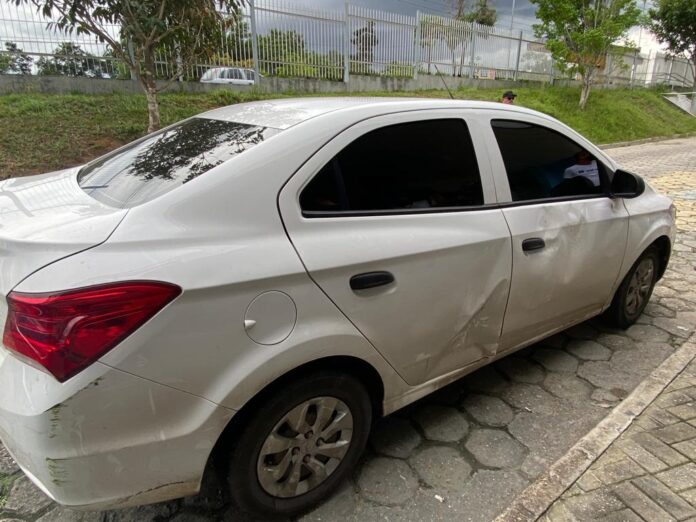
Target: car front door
568, 235
390, 220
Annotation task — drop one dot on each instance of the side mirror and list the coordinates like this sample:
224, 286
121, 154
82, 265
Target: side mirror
626, 185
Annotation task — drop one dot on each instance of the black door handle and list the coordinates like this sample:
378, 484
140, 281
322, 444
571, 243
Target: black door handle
371, 280
532, 244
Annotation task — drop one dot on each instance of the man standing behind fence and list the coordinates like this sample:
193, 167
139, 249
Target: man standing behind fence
508, 98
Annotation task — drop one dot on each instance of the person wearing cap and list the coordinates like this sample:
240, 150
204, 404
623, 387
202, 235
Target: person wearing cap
508, 97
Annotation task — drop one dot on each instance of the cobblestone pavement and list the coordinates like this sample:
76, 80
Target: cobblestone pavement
468, 450
649, 472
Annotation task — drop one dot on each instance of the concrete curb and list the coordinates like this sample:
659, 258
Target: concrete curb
619, 144
538, 496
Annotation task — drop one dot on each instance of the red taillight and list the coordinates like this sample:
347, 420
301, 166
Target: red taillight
65, 332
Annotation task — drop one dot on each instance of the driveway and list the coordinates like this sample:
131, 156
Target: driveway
468, 450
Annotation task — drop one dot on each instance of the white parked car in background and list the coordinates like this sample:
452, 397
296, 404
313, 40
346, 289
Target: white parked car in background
230, 75
254, 285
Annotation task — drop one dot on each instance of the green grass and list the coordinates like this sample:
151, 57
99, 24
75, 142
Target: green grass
42, 132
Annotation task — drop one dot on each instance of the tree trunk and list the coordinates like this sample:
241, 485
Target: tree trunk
585, 92
149, 83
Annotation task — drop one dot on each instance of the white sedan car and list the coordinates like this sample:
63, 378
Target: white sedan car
252, 286
229, 75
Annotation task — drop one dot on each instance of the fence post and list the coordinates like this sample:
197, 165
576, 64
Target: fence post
416, 45
519, 51
473, 50
346, 45
551, 74
669, 74
254, 39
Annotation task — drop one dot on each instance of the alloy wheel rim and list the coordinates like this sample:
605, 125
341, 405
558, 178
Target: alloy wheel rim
305, 447
639, 287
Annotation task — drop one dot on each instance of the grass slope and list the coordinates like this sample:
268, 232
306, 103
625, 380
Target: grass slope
40, 132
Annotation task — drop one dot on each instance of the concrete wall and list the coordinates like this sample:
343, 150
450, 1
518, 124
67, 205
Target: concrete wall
10, 83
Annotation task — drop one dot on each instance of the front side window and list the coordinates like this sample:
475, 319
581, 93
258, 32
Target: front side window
166, 160
541, 163
416, 165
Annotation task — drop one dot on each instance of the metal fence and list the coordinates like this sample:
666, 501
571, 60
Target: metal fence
277, 38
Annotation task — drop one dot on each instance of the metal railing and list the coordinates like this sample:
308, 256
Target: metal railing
277, 38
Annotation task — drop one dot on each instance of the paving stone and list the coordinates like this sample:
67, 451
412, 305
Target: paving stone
395, 437
678, 305
26, 499
684, 411
645, 333
659, 449
555, 360
593, 505
567, 386
673, 398
604, 396
339, 506
640, 502
615, 342
681, 326
442, 467
666, 499
680, 478
618, 471
662, 417
531, 398
7, 464
534, 465
488, 493
441, 423
623, 515
675, 433
152, 512
690, 496
485, 380
488, 410
520, 370
605, 375
656, 310
387, 481
643, 457
589, 350
589, 481
688, 448
61, 514
495, 448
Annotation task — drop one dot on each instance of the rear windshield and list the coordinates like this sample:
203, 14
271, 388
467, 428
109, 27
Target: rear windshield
167, 160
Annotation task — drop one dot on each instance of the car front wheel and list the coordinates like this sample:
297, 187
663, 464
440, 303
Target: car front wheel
300, 444
635, 290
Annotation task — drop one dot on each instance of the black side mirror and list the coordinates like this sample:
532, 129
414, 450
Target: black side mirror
626, 185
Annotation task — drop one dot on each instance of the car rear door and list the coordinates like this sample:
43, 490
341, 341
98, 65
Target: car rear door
568, 235
391, 220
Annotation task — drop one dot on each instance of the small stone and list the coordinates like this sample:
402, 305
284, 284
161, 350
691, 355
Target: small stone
645, 333
589, 350
441, 423
520, 370
442, 467
25, 499
615, 342
7, 464
387, 481
395, 437
555, 360
495, 448
488, 410
567, 386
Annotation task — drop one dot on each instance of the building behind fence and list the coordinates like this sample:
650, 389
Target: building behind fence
279, 39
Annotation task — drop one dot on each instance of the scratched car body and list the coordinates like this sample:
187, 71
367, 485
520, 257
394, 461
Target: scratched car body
251, 287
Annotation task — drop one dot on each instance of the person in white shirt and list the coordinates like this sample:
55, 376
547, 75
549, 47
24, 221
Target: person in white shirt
585, 166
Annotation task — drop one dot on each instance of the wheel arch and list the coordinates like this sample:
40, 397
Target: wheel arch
664, 248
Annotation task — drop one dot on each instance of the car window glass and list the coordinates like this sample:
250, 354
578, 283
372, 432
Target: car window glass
250, 75
416, 165
168, 159
234, 74
542, 163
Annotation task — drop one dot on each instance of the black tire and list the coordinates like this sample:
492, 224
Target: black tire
624, 309
243, 478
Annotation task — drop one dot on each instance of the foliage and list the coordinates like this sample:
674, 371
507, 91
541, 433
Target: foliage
674, 24
14, 60
70, 59
278, 48
480, 13
192, 28
579, 33
43, 132
398, 70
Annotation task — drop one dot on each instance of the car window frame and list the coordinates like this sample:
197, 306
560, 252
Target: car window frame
500, 171
347, 136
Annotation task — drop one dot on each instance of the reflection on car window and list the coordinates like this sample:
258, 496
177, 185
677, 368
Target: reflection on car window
417, 165
542, 163
166, 160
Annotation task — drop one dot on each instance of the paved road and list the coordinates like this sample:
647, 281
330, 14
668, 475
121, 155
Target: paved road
468, 450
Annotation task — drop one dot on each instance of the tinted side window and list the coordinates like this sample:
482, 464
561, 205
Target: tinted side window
542, 163
417, 165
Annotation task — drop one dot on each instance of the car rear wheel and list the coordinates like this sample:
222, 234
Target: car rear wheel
300, 444
635, 290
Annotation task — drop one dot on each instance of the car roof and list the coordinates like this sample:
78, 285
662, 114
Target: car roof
285, 113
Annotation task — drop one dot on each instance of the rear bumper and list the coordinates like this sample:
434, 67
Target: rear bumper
119, 441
